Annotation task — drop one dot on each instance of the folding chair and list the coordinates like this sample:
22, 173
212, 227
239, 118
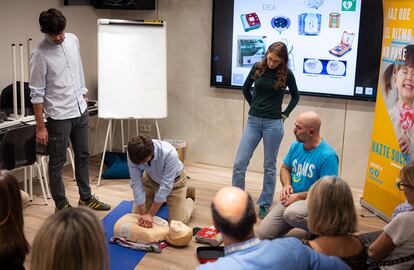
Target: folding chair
18, 150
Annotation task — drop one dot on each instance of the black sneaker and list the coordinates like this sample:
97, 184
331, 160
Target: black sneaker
67, 205
95, 204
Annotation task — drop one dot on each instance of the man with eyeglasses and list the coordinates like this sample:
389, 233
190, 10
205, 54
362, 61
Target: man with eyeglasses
370, 237
394, 247
405, 206
307, 161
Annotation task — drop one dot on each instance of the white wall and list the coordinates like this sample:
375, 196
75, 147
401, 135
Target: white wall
19, 22
210, 120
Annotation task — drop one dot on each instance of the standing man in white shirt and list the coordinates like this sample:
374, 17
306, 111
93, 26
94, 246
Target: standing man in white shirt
58, 90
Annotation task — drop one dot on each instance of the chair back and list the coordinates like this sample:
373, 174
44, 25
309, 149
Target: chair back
18, 147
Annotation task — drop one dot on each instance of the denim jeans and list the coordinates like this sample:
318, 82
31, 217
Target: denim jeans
60, 131
271, 130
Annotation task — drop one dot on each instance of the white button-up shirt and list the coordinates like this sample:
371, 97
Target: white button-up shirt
57, 78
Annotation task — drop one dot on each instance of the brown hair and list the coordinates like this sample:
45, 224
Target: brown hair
331, 209
407, 173
140, 147
52, 22
71, 239
14, 246
280, 49
409, 55
387, 76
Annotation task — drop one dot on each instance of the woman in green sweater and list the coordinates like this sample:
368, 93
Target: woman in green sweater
265, 120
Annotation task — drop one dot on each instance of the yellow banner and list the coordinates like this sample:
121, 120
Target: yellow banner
392, 142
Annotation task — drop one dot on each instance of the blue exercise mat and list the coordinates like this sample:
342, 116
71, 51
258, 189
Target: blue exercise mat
121, 258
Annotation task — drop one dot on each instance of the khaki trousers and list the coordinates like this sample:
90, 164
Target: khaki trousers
180, 208
280, 220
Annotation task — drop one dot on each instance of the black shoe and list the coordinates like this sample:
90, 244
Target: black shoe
67, 205
95, 204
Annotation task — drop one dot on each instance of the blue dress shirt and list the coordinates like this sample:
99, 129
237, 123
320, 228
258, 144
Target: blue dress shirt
162, 169
282, 253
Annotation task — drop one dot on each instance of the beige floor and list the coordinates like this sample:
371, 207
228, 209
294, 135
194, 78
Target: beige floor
207, 180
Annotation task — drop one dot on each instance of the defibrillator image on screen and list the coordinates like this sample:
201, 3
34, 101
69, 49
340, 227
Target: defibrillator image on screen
334, 46
250, 50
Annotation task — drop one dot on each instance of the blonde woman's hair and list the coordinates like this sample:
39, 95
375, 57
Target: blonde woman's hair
71, 239
331, 209
407, 173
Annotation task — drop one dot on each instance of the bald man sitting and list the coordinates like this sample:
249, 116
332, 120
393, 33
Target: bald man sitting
234, 216
308, 159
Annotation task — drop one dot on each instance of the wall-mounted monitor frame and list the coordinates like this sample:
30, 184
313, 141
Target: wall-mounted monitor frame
334, 46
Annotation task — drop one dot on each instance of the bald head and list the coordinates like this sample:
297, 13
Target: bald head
233, 213
231, 203
310, 120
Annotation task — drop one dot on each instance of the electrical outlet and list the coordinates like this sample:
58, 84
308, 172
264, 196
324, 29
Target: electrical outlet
145, 128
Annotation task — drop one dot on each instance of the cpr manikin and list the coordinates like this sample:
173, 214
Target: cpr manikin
177, 234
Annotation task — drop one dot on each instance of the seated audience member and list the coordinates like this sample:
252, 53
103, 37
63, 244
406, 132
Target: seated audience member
13, 244
396, 242
332, 216
369, 237
234, 216
308, 159
71, 239
401, 208
158, 176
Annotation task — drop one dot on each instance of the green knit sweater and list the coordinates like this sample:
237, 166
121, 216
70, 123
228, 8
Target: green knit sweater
266, 100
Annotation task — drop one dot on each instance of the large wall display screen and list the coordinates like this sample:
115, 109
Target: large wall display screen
334, 45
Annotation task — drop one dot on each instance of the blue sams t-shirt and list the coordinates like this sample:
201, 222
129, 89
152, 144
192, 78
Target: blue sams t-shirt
308, 166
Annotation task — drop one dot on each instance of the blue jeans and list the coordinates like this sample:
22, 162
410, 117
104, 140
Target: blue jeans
271, 130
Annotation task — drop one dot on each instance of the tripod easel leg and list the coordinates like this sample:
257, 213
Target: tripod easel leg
108, 131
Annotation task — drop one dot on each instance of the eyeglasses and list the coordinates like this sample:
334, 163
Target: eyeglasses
401, 186
273, 61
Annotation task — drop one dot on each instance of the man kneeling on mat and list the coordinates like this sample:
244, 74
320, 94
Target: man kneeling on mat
157, 176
